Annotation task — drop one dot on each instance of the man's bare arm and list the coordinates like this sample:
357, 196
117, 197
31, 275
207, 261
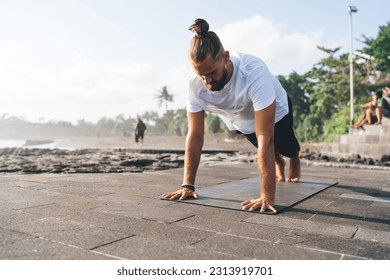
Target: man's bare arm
193, 152
264, 127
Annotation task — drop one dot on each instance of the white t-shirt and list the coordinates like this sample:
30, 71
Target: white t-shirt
251, 88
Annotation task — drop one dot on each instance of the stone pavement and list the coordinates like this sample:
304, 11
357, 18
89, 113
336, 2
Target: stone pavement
120, 216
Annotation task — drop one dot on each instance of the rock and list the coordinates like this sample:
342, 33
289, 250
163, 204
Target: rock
325, 157
138, 162
23, 160
385, 158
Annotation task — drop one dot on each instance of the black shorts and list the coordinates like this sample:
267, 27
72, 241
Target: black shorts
139, 135
285, 141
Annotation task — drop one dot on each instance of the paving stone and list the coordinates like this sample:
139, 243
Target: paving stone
26, 184
308, 226
157, 231
346, 247
40, 249
140, 248
150, 212
74, 200
10, 237
373, 235
144, 208
81, 191
234, 228
256, 249
224, 215
72, 214
12, 217
18, 198
344, 214
72, 233
366, 197
381, 204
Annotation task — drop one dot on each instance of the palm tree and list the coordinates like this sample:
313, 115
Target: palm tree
164, 96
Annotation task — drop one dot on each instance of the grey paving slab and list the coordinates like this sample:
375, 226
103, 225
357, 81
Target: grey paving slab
41, 249
231, 195
10, 237
155, 231
366, 197
26, 184
150, 212
346, 247
73, 200
77, 213
382, 204
18, 198
236, 228
141, 248
308, 226
373, 235
13, 217
354, 213
256, 249
84, 191
69, 232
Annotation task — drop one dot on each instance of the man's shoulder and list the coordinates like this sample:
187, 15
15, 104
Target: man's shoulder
194, 79
245, 58
247, 63
195, 84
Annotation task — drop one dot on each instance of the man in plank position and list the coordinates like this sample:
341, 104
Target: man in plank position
249, 99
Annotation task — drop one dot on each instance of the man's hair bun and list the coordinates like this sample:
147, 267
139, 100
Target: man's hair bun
204, 42
200, 27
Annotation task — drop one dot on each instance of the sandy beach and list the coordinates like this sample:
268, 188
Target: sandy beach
155, 142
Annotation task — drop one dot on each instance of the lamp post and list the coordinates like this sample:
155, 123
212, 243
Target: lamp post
351, 9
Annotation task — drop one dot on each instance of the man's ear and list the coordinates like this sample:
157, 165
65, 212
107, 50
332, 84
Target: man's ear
226, 56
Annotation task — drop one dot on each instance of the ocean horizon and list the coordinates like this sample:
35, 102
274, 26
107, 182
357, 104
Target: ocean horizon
17, 143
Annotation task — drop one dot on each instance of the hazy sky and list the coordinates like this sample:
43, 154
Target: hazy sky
85, 59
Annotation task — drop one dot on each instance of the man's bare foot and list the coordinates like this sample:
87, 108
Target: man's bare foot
279, 166
294, 172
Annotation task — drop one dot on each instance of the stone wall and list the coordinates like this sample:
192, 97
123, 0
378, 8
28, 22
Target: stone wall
369, 141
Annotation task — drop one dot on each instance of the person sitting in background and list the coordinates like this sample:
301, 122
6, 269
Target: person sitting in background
372, 110
377, 101
386, 101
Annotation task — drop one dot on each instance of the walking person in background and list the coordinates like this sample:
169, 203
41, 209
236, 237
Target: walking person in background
139, 132
250, 100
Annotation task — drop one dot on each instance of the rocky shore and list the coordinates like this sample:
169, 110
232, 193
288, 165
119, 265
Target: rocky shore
30, 161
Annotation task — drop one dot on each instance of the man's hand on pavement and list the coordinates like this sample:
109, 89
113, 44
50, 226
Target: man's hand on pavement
259, 203
181, 194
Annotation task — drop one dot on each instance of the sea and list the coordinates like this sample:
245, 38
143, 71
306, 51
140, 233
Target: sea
17, 143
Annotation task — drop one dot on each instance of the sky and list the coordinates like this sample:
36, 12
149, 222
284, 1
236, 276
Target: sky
74, 60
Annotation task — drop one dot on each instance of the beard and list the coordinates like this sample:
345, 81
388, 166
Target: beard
218, 85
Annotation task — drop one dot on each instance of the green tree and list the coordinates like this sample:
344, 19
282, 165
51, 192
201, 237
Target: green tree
164, 97
327, 88
162, 123
149, 116
178, 125
380, 48
293, 85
